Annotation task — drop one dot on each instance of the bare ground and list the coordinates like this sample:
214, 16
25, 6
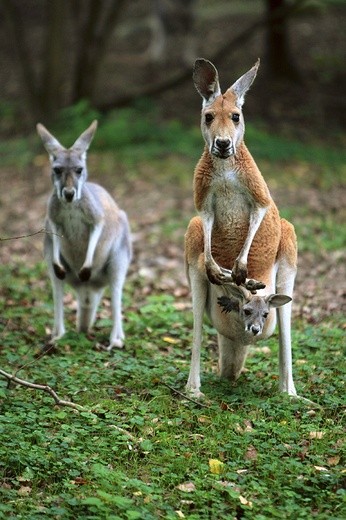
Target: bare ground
158, 218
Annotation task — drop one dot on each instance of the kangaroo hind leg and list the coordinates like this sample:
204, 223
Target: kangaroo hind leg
285, 277
88, 301
231, 358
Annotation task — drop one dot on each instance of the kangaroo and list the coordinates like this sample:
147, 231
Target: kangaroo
237, 234
87, 243
248, 322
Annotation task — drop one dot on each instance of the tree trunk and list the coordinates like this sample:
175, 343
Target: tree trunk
51, 94
94, 34
25, 65
280, 62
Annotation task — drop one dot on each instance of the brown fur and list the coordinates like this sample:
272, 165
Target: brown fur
238, 233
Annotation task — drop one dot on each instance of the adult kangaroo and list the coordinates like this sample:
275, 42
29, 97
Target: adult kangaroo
88, 241
238, 234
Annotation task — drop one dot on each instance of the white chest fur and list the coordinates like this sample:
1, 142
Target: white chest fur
230, 198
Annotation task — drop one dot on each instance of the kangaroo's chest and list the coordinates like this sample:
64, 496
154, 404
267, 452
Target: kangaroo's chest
232, 203
71, 221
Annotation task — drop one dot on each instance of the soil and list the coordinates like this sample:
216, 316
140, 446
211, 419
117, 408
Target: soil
302, 110
158, 264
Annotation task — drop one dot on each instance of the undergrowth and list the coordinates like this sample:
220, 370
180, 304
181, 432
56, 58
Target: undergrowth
139, 449
246, 451
139, 133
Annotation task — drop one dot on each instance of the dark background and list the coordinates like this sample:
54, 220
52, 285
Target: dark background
112, 52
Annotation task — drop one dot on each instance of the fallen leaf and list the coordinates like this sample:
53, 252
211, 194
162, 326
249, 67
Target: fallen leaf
188, 487
320, 468
316, 435
79, 481
216, 466
333, 461
180, 514
251, 453
204, 419
301, 361
244, 501
173, 341
24, 491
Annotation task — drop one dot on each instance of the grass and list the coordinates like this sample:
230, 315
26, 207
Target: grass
246, 452
274, 457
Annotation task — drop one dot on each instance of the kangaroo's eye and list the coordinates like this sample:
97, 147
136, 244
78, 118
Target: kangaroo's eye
57, 170
247, 312
209, 118
78, 171
265, 314
235, 117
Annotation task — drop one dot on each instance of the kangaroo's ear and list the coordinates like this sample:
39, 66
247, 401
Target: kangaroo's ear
242, 85
277, 300
51, 144
238, 292
83, 142
228, 304
206, 80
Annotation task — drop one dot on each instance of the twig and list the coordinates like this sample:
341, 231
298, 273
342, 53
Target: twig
43, 230
184, 395
61, 402
45, 388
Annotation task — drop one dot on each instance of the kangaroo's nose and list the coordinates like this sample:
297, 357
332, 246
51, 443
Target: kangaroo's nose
223, 144
68, 194
255, 330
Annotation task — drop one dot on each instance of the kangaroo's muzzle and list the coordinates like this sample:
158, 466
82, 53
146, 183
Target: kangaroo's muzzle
68, 194
222, 148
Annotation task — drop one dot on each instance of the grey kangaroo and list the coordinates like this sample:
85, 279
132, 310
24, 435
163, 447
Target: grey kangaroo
87, 243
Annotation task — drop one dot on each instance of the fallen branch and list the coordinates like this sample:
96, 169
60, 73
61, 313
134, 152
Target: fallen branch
184, 396
45, 388
61, 402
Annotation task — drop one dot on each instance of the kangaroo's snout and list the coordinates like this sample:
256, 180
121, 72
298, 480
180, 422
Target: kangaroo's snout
222, 148
68, 194
255, 330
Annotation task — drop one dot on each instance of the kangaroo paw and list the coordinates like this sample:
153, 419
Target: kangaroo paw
253, 285
84, 274
59, 271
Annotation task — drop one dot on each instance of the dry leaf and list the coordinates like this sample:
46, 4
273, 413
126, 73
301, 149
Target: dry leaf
204, 419
188, 487
180, 514
333, 461
320, 468
216, 466
24, 490
316, 435
168, 339
244, 501
251, 453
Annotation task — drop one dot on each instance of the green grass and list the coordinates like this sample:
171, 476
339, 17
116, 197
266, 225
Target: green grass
138, 134
277, 458
280, 458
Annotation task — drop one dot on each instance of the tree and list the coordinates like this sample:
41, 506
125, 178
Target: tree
93, 24
280, 62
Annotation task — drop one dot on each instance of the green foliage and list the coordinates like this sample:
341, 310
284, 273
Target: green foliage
280, 458
138, 133
276, 458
